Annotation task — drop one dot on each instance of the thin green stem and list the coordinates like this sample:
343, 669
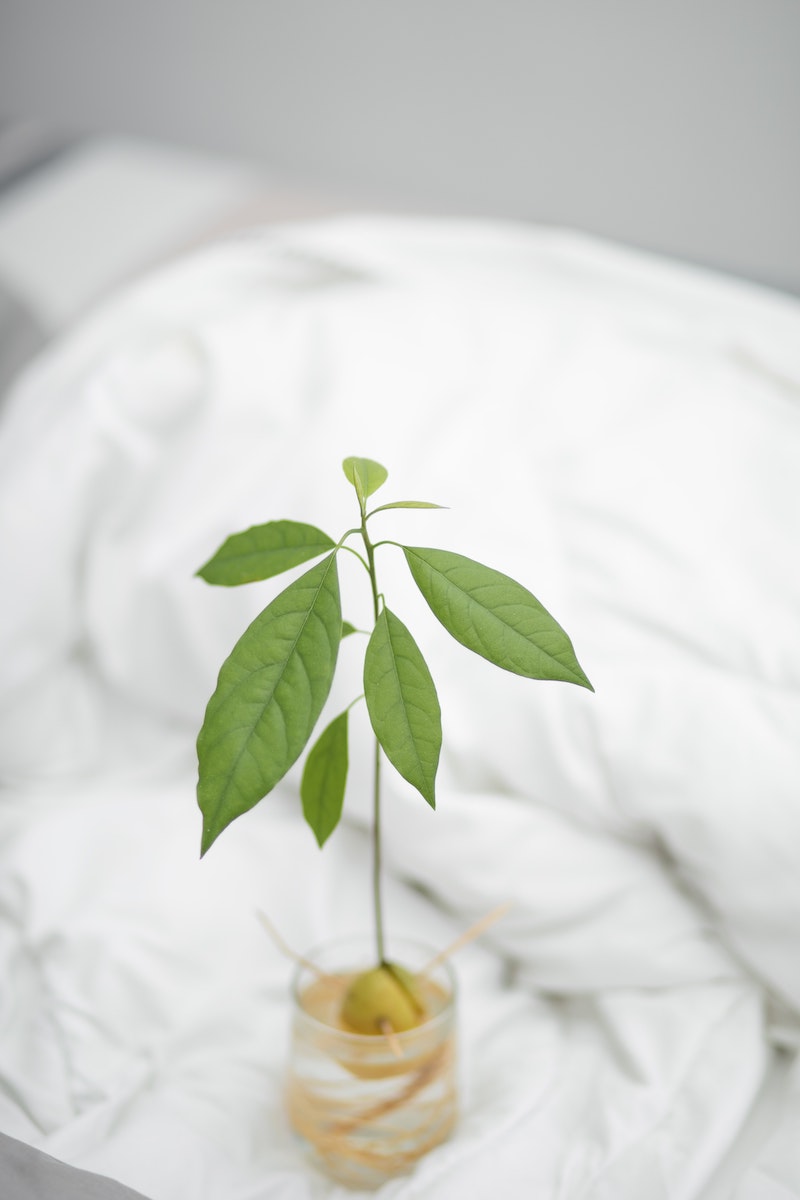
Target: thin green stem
376, 856
360, 557
376, 779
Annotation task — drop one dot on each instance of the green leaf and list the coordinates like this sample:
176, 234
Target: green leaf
264, 551
270, 692
366, 476
495, 616
347, 629
406, 504
324, 778
402, 704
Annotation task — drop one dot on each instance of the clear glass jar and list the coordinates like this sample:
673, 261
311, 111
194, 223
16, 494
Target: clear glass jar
368, 1106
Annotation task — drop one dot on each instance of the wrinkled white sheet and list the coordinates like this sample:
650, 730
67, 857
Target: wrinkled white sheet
620, 434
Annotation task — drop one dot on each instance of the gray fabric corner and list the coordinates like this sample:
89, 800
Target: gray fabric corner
28, 1174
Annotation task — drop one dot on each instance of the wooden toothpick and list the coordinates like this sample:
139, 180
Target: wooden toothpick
286, 949
467, 936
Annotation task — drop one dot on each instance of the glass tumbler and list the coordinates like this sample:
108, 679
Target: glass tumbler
368, 1106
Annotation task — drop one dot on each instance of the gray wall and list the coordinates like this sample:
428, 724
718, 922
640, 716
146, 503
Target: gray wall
669, 124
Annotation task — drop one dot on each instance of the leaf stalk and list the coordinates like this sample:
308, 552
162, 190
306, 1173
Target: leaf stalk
377, 870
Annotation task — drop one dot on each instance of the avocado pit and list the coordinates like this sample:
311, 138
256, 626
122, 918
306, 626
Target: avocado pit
384, 996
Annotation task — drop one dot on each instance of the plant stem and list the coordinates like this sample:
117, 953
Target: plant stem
376, 856
376, 778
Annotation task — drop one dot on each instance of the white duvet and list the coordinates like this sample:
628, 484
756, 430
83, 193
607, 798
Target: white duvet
621, 435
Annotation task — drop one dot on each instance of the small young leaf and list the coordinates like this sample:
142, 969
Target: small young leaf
494, 616
324, 779
264, 551
406, 504
366, 476
402, 704
347, 629
270, 692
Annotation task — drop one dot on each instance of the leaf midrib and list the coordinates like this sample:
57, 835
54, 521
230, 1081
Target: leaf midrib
252, 728
410, 732
489, 613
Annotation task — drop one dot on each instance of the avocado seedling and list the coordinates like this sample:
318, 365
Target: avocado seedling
273, 686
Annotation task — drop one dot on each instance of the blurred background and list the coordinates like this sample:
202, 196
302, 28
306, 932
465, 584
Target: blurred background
131, 131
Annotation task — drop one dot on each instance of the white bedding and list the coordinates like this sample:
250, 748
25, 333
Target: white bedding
622, 435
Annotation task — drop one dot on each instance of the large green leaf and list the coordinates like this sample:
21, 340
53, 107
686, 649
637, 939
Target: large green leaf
494, 615
264, 551
366, 476
324, 779
269, 694
402, 703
